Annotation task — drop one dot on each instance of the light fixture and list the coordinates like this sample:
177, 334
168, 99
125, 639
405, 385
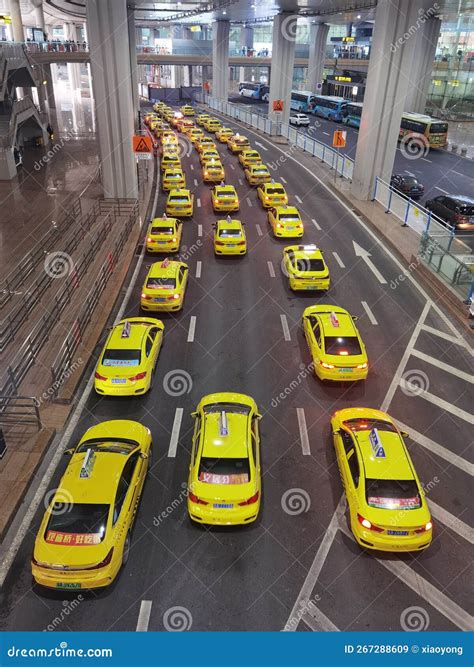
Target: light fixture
358, 16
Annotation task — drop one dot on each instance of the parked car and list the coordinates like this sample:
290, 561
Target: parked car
407, 185
299, 119
456, 210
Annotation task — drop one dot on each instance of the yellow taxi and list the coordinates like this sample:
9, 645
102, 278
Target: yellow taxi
212, 125
224, 484
164, 235
177, 118
249, 156
153, 124
169, 138
164, 288
200, 120
224, 198
208, 154
127, 362
224, 133
272, 194
257, 174
205, 143
173, 178
387, 506
285, 222
184, 124
305, 267
150, 117
213, 172
336, 347
85, 535
187, 110
180, 203
194, 134
237, 143
168, 115
158, 106
159, 128
229, 237
170, 159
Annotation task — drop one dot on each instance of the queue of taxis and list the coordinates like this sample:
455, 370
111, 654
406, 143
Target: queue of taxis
164, 235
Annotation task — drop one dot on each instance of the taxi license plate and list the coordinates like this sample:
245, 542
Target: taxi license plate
162, 242
290, 227
159, 299
118, 380
221, 506
397, 532
67, 585
231, 245
346, 370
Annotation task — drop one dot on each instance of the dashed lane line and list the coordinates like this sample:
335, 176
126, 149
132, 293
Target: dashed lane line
304, 439
198, 269
259, 230
285, 327
144, 616
271, 269
339, 260
318, 227
369, 312
192, 329
178, 417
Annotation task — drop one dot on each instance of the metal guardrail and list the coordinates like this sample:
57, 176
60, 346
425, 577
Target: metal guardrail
450, 268
19, 106
343, 165
26, 356
65, 357
19, 410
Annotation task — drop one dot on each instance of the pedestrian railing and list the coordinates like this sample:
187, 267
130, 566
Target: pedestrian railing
455, 270
19, 411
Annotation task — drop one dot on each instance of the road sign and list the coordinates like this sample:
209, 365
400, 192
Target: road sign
277, 105
339, 138
142, 146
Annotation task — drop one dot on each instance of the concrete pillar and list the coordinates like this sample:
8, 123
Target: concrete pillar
17, 21
138, 36
74, 76
422, 65
349, 30
133, 61
39, 14
388, 81
111, 76
48, 77
283, 59
246, 37
318, 37
190, 75
42, 98
220, 60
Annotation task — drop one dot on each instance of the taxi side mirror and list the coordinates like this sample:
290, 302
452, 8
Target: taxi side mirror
194, 415
338, 432
259, 416
355, 317
404, 434
68, 452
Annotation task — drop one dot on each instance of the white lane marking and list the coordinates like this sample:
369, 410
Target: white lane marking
304, 439
199, 230
436, 400
445, 336
240, 181
441, 190
365, 255
410, 173
437, 449
317, 621
457, 172
445, 367
198, 202
285, 327
339, 260
264, 148
298, 199
369, 312
178, 417
452, 522
326, 133
316, 224
196, 182
426, 160
423, 587
144, 616
314, 571
403, 361
249, 202
192, 167
283, 180
232, 166
259, 230
271, 269
192, 329
198, 268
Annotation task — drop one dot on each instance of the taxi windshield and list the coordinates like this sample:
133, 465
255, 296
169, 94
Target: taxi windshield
82, 523
224, 471
121, 357
343, 345
157, 283
399, 494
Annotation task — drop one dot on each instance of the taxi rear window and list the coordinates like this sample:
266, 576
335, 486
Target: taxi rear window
224, 471
82, 523
179, 198
310, 265
157, 283
226, 193
121, 357
343, 345
392, 494
161, 230
289, 216
229, 232
275, 191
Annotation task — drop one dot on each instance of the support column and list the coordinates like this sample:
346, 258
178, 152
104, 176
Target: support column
111, 80
48, 77
283, 60
17, 21
74, 76
39, 15
388, 82
132, 33
422, 65
246, 37
318, 37
220, 60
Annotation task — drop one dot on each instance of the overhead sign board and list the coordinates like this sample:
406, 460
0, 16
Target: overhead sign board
142, 146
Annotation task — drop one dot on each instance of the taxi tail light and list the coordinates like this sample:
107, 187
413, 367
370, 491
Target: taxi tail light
195, 499
250, 501
98, 376
241, 243
138, 376
368, 524
423, 529
174, 240
220, 243
104, 562
279, 225
325, 365
173, 297
145, 296
149, 240
364, 365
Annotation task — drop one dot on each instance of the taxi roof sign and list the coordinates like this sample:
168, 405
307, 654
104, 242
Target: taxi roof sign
376, 444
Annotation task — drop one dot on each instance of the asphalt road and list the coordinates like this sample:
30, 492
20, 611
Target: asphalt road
440, 172
297, 564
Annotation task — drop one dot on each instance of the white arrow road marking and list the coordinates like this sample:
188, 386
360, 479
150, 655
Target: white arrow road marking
365, 254
264, 148
178, 416
144, 616
339, 260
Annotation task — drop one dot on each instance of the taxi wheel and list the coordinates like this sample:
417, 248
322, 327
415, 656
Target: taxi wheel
126, 549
